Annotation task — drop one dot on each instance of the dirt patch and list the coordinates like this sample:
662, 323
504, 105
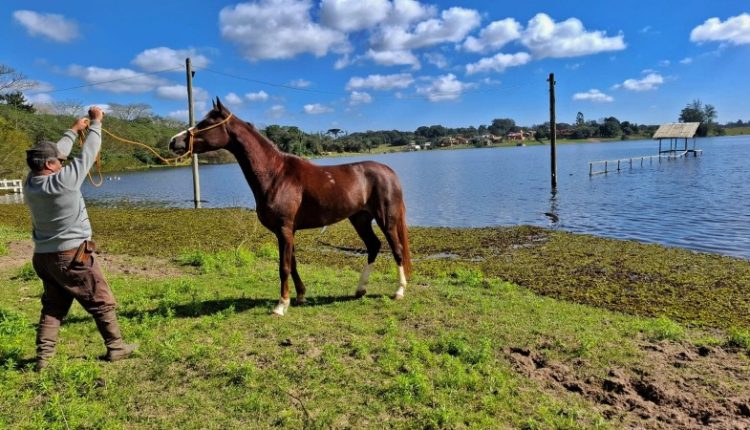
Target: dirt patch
21, 251
676, 385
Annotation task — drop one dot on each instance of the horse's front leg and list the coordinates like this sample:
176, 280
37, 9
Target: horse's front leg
286, 254
299, 286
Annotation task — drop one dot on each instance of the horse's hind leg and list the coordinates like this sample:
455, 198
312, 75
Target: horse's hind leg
390, 230
362, 222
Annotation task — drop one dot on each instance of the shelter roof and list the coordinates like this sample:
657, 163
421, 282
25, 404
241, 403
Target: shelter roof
676, 130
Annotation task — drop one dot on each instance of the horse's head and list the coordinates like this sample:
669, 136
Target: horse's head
210, 134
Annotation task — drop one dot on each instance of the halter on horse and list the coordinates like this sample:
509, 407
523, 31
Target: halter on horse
292, 193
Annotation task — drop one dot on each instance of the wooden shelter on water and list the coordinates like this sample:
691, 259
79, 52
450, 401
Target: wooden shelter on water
675, 132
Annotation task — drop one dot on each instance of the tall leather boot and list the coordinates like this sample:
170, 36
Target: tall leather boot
110, 331
46, 340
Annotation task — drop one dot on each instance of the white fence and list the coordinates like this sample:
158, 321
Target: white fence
12, 185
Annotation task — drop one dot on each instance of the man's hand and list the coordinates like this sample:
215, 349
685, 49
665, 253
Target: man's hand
96, 113
80, 125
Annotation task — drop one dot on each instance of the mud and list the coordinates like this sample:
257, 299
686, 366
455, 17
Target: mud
674, 386
21, 251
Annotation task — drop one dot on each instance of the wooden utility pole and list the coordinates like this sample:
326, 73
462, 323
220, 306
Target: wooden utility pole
191, 119
553, 131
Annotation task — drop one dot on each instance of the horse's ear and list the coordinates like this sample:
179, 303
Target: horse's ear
213, 103
219, 106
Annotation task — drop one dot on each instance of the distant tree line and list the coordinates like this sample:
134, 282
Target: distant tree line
22, 123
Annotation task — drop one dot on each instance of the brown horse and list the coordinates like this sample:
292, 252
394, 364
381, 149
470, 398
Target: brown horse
292, 193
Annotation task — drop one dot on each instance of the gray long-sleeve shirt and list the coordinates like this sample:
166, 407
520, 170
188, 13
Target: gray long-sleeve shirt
58, 213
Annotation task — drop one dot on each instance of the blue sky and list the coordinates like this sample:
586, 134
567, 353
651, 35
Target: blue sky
388, 64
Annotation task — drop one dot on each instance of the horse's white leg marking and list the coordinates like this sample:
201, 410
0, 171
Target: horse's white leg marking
401, 284
281, 307
363, 278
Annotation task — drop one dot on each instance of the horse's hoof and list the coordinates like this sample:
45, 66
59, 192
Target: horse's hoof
398, 297
299, 301
281, 308
275, 315
359, 294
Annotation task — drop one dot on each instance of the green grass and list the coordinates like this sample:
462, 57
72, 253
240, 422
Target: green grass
211, 356
650, 280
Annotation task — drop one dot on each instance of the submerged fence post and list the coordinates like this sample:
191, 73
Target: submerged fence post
191, 119
553, 131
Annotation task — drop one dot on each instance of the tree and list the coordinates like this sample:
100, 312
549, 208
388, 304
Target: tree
579, 119
610, 127
334, 131
17, 101
129, 112
697, 112
501, 126
10, 80
13, 145
67, 107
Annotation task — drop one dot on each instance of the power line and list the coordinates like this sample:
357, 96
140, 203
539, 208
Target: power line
503, 87
93, 84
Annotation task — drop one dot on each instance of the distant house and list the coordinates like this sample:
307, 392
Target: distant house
520, 135
412, 147
486, 139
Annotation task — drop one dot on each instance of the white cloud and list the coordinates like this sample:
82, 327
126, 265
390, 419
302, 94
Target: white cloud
686, 60
278, 29
353, 15
276, 112
180, 115
593, 95
41, 87
260, 96
162, 58
39, 99
179, 92
233, 99
649, 82
494, 36
300, 83
116, 80
498, 63
442, 88
316, 109
55, 27
664, 63
452, 26
735, 30
394, 58
380, 82
359, 97
568, 38
437, 59
408, 11
200, 109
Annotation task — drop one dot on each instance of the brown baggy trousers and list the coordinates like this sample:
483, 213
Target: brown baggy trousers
65, 280
67, 275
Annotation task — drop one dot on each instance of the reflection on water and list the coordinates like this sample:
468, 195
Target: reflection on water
696, 203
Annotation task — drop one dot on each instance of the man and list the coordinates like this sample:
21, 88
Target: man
63, 251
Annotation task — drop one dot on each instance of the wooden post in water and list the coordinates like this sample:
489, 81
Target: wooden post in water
553, 131
191, 120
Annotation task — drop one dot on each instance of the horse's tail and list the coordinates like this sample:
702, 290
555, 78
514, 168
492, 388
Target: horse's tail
403, 237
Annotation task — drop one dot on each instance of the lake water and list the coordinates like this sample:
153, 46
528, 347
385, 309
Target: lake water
695, 203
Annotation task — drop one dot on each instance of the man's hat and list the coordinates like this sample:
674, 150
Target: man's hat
44, 150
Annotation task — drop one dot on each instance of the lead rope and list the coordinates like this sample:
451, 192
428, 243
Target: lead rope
191, 132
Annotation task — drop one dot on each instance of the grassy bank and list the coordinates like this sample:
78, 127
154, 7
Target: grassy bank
482, 339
